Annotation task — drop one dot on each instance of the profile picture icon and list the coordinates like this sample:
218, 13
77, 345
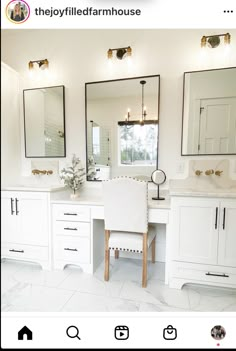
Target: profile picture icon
17, 11
218, 332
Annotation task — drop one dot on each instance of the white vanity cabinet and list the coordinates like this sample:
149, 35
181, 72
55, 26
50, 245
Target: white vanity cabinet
25, 226
203, 246
71, 236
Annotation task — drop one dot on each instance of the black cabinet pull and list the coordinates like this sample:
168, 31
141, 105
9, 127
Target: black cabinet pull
217, 275
70, 228
67, 249
12, 211
13, 250
224, 218
70, 214
17, 211
216, 220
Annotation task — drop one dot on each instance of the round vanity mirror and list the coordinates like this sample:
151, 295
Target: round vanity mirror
158, 177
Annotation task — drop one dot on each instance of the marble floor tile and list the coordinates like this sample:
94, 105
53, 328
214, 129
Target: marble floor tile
81, 302
149, 307
26, 287
211, 299
87, 283
33, 274
27, 297
156, 293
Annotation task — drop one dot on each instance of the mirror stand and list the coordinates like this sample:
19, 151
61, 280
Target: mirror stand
158, 194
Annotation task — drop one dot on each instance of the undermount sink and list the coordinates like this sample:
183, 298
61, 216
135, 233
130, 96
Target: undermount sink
34, 187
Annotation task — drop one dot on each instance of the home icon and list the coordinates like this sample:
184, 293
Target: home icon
25, 331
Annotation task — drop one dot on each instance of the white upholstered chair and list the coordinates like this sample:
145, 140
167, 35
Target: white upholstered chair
126, 220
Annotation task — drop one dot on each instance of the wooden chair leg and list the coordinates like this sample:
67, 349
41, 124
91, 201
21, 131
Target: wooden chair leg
153, 250
145, 252
116, 254
107, 255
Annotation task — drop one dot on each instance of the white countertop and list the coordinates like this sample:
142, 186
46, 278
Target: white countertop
94, 197
228, 193
33, 187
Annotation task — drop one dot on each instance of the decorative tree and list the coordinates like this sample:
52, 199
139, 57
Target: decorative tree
73, 176
91, 168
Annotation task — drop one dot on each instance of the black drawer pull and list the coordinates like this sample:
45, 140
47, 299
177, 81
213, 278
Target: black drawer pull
20, 251
70, 228
224, 218
12, 211
17, 211
70, 214
67, 249
216, 218
217, 275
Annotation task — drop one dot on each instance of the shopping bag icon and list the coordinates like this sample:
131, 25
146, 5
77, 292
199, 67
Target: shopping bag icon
169, 333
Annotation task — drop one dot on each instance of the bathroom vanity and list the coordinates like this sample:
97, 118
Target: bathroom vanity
203, 238
46, 226
26, 223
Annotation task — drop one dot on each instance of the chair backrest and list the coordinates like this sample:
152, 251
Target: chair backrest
126, 205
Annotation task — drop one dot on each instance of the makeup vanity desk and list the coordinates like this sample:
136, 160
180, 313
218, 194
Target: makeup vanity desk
78, 228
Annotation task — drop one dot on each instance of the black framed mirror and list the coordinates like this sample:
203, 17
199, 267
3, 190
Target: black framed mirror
209, 112
44, 122
122, 125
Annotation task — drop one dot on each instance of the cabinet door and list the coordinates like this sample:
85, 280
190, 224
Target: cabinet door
32, 218
195, 230
227, 234
8, 220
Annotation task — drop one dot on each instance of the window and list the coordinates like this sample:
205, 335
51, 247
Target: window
138, 144
96, 140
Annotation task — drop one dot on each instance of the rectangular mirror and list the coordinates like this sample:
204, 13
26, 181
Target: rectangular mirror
122, 120
44, 122
209, 112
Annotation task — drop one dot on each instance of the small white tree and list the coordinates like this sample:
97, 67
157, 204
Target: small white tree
73, 176
91, 168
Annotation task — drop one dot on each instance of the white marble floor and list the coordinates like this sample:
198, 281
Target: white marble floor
26, 287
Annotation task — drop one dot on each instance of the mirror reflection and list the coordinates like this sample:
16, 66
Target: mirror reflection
122, 127
209, 112
44, 118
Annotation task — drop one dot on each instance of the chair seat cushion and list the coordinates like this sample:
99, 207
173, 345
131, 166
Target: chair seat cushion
128, 241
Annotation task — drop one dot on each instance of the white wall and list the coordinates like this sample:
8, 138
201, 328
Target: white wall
10, 125
79, 56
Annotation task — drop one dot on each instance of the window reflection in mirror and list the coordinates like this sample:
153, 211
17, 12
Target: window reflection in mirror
114, 147
138, 145
44, 122
209, 112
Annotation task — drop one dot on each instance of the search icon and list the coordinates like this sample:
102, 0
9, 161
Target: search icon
73, 332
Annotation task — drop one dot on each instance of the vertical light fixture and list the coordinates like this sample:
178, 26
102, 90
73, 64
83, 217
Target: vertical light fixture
144, 110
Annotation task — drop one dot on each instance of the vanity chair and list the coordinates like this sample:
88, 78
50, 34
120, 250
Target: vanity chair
126, 221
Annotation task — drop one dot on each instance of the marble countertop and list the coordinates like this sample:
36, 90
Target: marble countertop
94, 197
228, 193
33, 187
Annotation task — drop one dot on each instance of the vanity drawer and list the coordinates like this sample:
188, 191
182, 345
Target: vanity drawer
72, 213
19, 251
158, 215
72, 228
75, 250
205, 273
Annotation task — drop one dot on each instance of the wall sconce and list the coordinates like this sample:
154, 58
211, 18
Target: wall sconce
214, 40
42, 64
120, 52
